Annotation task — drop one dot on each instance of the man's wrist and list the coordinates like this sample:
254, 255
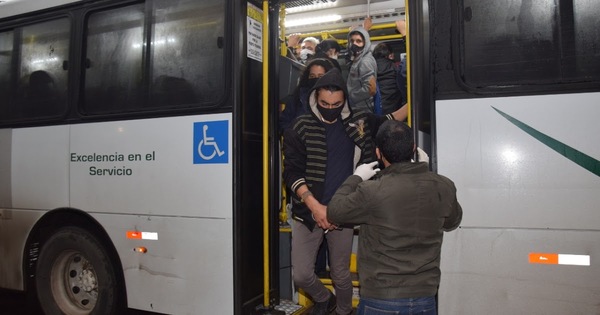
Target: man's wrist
305, 195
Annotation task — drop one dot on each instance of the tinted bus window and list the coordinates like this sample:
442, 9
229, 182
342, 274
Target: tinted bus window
6, 53
188, 52
529, 42
113, 78
185, 57
587, 39
509, 44
38, 86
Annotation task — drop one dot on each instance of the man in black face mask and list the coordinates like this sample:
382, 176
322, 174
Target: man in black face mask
362, 77
322, 148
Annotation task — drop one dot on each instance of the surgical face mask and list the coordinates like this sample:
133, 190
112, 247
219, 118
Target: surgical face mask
306, 53
330, 114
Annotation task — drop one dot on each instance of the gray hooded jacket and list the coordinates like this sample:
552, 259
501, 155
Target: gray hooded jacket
362, 76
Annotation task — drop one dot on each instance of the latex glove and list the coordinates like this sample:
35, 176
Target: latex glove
422, 156
367, 170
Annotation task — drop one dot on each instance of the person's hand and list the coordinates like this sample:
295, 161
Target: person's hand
367, 170
401, 27
319, 214
368, 23
293, 40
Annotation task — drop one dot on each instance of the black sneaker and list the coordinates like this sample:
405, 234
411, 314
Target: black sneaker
324, 308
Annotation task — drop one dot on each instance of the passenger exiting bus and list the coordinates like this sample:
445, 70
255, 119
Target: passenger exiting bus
362, 78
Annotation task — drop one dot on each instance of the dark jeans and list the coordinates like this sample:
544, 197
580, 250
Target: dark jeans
408, 306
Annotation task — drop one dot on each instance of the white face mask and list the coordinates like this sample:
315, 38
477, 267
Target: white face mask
333, 56
304, 53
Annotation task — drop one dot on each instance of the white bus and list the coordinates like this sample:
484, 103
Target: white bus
131, 135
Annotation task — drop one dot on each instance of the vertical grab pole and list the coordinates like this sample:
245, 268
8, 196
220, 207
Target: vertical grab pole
267, 307
265, 140
408, 58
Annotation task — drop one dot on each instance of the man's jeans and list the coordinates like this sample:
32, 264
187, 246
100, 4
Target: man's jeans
409, 306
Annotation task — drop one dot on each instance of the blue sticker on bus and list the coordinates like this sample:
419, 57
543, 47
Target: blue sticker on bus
211, 142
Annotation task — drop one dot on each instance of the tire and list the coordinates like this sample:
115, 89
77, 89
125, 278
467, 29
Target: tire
75, 276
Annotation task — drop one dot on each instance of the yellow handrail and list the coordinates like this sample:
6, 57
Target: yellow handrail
265, 147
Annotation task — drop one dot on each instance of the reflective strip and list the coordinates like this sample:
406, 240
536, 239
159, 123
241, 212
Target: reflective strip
578, 260
559, 259
142, 235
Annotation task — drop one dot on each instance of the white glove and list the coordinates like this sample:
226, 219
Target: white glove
422, 156
367, 170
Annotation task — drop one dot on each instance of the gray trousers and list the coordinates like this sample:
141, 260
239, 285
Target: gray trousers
305, 245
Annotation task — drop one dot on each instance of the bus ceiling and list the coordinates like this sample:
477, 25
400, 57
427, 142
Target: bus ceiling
308, 16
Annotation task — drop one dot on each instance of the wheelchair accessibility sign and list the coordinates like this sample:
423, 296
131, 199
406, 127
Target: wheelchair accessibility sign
211, 142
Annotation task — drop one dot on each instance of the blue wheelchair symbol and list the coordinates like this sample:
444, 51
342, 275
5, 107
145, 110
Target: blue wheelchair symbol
211, 141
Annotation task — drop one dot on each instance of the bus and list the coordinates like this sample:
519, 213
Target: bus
139, 149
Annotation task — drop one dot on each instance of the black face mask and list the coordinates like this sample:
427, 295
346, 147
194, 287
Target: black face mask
311, 82
330, 114
356, 49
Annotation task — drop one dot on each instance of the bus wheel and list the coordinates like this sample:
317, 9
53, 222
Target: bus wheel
75, 276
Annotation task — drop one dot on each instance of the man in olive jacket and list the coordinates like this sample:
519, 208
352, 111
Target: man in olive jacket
403, 213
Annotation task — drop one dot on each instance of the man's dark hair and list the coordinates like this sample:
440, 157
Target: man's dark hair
326, 64
327, 44
330, 88
382, 50
395, 141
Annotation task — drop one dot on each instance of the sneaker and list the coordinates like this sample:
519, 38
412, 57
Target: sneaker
326, 307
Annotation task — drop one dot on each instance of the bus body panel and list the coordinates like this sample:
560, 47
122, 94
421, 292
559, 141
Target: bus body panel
151, 168
39, 167
521, 198
188, 270
510, 179
487, 271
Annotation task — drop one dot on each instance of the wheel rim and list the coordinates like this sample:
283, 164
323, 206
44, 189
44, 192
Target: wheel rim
74, 283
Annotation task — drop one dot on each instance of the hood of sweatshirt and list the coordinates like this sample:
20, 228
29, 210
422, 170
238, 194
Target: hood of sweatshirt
332, 78
367, 39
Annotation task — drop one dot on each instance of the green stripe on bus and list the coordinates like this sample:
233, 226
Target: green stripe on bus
578, 157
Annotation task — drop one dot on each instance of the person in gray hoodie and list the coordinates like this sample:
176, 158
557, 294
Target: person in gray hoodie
362, 77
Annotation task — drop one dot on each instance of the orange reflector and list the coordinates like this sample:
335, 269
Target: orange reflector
543, 258
141, 249
134, 235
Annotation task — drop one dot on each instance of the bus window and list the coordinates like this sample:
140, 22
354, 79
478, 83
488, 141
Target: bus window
586, 38
525, 43
188, 52
518, 38
6, 53
113, 78
38, 87
185, 65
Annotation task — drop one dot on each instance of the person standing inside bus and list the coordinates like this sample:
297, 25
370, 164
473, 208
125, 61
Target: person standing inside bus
297, 104
329, 49
321, 150
403, 214
362, 77
387, 72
